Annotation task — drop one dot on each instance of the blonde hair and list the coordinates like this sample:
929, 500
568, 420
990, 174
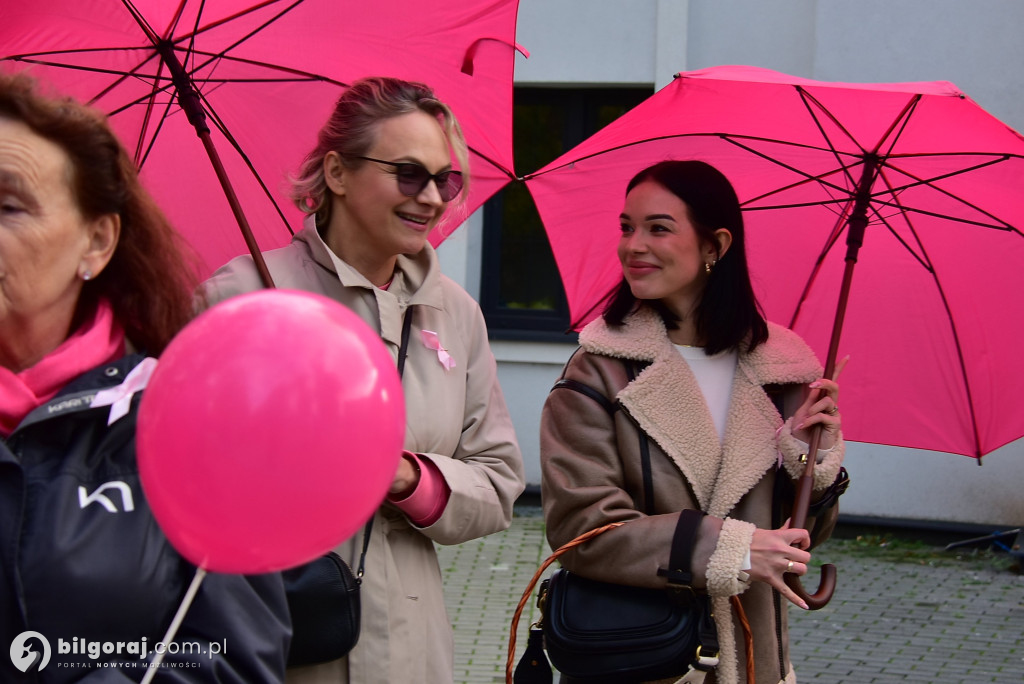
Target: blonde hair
351, 131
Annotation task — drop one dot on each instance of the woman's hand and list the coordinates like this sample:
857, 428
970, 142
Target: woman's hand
406, 477
821, 407
773, 553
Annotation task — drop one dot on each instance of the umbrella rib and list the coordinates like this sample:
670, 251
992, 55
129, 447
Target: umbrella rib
75, 51
223, 53
808, 178
901, 121
930, 182
246, 11
830, 242
148, 117
214, 57
929, 267
724, 136
143, 156
807, 98
97, 70
211, 112
921, 258
955, 219
963, 365
140, 20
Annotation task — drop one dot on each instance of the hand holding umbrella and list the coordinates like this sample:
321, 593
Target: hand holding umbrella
820, 413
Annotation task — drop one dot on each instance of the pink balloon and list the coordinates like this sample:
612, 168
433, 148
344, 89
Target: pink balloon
269, 432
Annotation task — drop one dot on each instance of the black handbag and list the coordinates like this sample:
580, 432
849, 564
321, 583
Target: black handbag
323, 595
323, 600
611, 633
604, 633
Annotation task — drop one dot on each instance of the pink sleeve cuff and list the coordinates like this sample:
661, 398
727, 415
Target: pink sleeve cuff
427, 501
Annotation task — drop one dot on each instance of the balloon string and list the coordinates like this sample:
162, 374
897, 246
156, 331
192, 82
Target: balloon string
175, 624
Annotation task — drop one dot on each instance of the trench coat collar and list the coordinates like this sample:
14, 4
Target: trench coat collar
720, 473
417, 280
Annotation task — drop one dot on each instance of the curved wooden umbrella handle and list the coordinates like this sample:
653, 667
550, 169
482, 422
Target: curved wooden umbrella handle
827, 587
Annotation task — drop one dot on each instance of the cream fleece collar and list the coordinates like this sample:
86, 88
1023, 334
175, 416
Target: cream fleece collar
719, 473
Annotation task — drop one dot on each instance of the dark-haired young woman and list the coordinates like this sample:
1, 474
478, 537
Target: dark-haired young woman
684, 360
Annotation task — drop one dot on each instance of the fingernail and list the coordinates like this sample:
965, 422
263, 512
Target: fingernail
815, 384
804, 605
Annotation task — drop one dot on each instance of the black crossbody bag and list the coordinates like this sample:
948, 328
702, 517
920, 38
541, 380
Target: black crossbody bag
323, 595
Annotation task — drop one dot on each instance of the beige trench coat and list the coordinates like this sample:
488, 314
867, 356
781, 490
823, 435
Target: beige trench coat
592, 473
456, 418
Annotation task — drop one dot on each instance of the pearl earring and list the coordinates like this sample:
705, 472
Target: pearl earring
87, 275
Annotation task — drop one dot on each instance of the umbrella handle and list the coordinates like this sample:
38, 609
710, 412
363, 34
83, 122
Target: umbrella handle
798, 519
827, 586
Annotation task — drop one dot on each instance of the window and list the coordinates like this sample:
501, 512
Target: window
521, 293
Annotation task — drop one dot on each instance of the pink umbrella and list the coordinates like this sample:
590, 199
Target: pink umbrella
931, 325
931, 184
263, 75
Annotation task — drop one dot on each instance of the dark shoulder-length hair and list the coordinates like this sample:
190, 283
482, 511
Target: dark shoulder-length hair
152, 275
728, 312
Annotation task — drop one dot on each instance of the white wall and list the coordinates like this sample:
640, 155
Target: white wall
974, 44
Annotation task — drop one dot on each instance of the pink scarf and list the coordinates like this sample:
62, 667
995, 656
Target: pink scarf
98, 341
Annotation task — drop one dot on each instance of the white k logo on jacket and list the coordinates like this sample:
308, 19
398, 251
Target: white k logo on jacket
128, 503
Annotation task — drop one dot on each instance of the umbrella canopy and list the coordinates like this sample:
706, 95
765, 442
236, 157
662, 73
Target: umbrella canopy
932, 321
267, 74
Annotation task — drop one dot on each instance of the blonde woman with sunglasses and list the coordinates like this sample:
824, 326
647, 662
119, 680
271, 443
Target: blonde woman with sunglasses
380, 178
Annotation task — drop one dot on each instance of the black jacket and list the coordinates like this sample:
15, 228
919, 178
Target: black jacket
84, 564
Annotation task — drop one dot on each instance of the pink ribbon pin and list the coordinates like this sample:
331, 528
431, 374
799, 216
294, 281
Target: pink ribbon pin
431, 341
119, 398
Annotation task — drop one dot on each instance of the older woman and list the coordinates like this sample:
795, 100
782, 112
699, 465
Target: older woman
92, 277
705, 367
380, 178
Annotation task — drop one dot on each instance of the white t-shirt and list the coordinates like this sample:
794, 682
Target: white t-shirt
714, 376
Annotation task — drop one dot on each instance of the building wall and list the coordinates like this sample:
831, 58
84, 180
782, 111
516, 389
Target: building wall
975, 45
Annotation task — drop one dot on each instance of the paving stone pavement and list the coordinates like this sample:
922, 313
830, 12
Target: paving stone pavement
888, 621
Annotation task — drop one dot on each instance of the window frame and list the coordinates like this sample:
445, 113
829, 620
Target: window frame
582, 110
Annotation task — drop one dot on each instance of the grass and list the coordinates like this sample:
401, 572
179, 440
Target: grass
896, 549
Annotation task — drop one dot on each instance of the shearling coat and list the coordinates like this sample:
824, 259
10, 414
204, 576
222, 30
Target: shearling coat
592, 473
455, 418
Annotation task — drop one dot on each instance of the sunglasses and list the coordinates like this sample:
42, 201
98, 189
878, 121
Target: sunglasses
412, 178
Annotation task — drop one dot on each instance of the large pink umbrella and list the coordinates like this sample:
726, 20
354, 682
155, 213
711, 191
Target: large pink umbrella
933, 321
918, 174
264, 76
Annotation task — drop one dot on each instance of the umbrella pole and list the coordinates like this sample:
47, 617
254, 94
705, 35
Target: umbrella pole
188, 98
854, 239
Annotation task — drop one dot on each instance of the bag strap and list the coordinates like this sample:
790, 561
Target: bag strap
645, 452
403, 348
403, 351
